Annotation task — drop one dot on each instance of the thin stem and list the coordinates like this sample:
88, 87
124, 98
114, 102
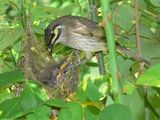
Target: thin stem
138, 43
112, 52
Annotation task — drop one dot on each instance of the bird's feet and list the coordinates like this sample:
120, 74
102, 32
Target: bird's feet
83, 61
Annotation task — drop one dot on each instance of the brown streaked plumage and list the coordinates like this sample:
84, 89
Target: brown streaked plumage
78, 33
81, 34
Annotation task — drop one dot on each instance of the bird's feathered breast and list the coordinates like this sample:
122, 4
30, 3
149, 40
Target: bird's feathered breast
84, 33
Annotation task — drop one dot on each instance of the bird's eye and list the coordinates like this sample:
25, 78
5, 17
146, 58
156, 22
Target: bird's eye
52, 33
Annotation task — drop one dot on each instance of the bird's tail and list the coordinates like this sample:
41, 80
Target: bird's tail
134, 56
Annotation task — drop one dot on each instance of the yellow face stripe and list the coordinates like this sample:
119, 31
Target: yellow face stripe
55, 32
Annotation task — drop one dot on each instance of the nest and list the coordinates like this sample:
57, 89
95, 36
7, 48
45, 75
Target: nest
37, 64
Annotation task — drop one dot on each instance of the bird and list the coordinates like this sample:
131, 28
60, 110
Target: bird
81, 34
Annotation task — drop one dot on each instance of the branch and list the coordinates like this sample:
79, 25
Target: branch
138, 43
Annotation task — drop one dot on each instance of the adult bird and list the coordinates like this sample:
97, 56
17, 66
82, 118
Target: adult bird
80, 33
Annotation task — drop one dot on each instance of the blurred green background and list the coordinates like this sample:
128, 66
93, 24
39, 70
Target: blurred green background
21, 98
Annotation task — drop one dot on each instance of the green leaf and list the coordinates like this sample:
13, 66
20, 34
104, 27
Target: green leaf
42, 112
72, 112
136, 104
8, 78
81, 95
153, 52
38, 30
54, 12
5, 94
116, 112
128, 87
11, 109
151, 77
36, 87
3, 66
9, 37
38, 12
124, 66
109, 100
158, 90
28, 99
56, 3
55, 103
66, 3
91, 113
154, 100
68, 9
124, 17
155, 3
92, 91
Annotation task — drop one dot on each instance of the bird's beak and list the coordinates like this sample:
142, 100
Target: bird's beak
51, 47
53, 39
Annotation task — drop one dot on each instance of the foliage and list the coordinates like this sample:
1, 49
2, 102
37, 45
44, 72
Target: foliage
25, 98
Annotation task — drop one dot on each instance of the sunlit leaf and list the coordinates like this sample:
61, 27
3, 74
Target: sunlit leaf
9, 37
151, 77
73, 111
154, 99
55, 103
93, 92
42, 112
116, 112
11, 109
90, 113
8, 78
28, 100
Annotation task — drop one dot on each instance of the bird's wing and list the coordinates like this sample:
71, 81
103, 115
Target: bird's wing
88, 28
